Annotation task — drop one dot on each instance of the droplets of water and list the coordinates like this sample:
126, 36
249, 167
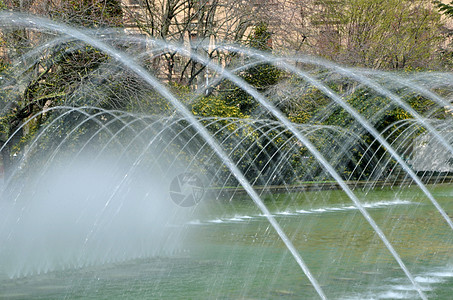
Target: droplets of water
300, 212
394, 288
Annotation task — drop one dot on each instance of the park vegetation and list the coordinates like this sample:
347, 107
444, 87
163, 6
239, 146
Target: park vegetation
392, 35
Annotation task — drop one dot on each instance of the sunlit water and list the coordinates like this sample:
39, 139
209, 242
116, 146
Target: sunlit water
130, 241
230, 252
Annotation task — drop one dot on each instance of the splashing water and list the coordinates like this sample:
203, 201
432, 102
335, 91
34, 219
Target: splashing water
93, 189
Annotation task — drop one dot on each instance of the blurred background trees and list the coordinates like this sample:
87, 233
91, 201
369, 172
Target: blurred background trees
389, 34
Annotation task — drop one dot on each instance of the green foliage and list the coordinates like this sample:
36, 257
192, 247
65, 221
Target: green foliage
214, 106
66, 70
446, 9
89, 13
5, 128
446, 54
365, 102
261, 77
53, 82
379, 110
385, 34
148, 100
299, 101
261, 38
377, 34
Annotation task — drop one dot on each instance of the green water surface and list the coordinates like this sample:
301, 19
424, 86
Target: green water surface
229, 251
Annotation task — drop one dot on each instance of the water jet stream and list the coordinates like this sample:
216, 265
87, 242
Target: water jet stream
331, 94
7, 18
271, 108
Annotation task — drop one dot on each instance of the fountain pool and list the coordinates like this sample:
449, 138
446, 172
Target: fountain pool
107, 196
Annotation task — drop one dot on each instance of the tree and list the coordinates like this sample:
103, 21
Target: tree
87, 13
444, 8
446, 51
386, 34
262, 76
56, 73
192, 23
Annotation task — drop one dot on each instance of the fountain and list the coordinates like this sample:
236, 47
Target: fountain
119, 189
